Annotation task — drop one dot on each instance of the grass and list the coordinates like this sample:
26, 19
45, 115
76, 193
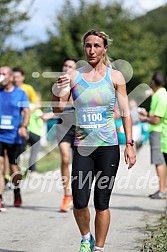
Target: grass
156, 237
51, 161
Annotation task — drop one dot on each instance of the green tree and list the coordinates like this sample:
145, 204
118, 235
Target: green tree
28, 60
71, 23
129, 41
155, 22
10, 17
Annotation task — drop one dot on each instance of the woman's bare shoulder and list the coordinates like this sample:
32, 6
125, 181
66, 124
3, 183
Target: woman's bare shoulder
73, 74
117, 77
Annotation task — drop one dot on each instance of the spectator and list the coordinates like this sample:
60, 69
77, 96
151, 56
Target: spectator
164, 133
155, 119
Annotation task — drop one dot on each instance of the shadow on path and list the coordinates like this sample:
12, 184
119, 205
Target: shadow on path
35, 208
6, 250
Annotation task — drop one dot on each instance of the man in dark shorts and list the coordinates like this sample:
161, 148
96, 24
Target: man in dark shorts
14, 118
66, 141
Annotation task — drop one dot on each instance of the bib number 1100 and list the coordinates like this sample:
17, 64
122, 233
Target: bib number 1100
92, 117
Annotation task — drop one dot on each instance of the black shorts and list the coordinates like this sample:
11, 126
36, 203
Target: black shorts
66, 130
102, 164
69, 137
165, 157
13, 151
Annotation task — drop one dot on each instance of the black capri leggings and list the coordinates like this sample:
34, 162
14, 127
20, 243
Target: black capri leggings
102, 164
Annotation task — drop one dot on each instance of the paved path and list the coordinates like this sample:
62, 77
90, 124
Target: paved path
39, 226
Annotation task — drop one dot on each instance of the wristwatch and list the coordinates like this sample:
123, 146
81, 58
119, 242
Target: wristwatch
131, 142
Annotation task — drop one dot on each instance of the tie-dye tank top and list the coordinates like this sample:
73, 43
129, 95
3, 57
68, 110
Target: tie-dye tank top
94, 107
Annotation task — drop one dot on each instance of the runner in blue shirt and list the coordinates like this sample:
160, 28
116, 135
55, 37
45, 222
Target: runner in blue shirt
14, 118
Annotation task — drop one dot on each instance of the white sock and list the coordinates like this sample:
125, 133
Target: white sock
86, 237
96, 248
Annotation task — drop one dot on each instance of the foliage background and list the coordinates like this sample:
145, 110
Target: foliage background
142, 41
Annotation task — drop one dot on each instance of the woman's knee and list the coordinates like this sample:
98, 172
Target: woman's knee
101, 202
80, 204
101, 206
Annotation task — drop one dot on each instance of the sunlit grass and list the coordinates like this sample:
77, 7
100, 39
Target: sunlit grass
156, 237
49, 162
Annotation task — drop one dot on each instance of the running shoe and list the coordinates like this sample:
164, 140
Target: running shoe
17, 199
87, 246
66, 204
7, 182
2, 206
92, 243
158, 195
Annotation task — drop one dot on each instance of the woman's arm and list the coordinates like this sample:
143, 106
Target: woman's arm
61, 94
120, 86
62, 91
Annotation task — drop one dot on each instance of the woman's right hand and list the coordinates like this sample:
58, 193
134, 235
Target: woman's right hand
62, 85
63, 81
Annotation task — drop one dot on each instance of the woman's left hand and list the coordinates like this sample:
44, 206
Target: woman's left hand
130, 155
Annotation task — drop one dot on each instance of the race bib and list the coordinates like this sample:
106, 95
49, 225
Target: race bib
6, 122
92, 117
